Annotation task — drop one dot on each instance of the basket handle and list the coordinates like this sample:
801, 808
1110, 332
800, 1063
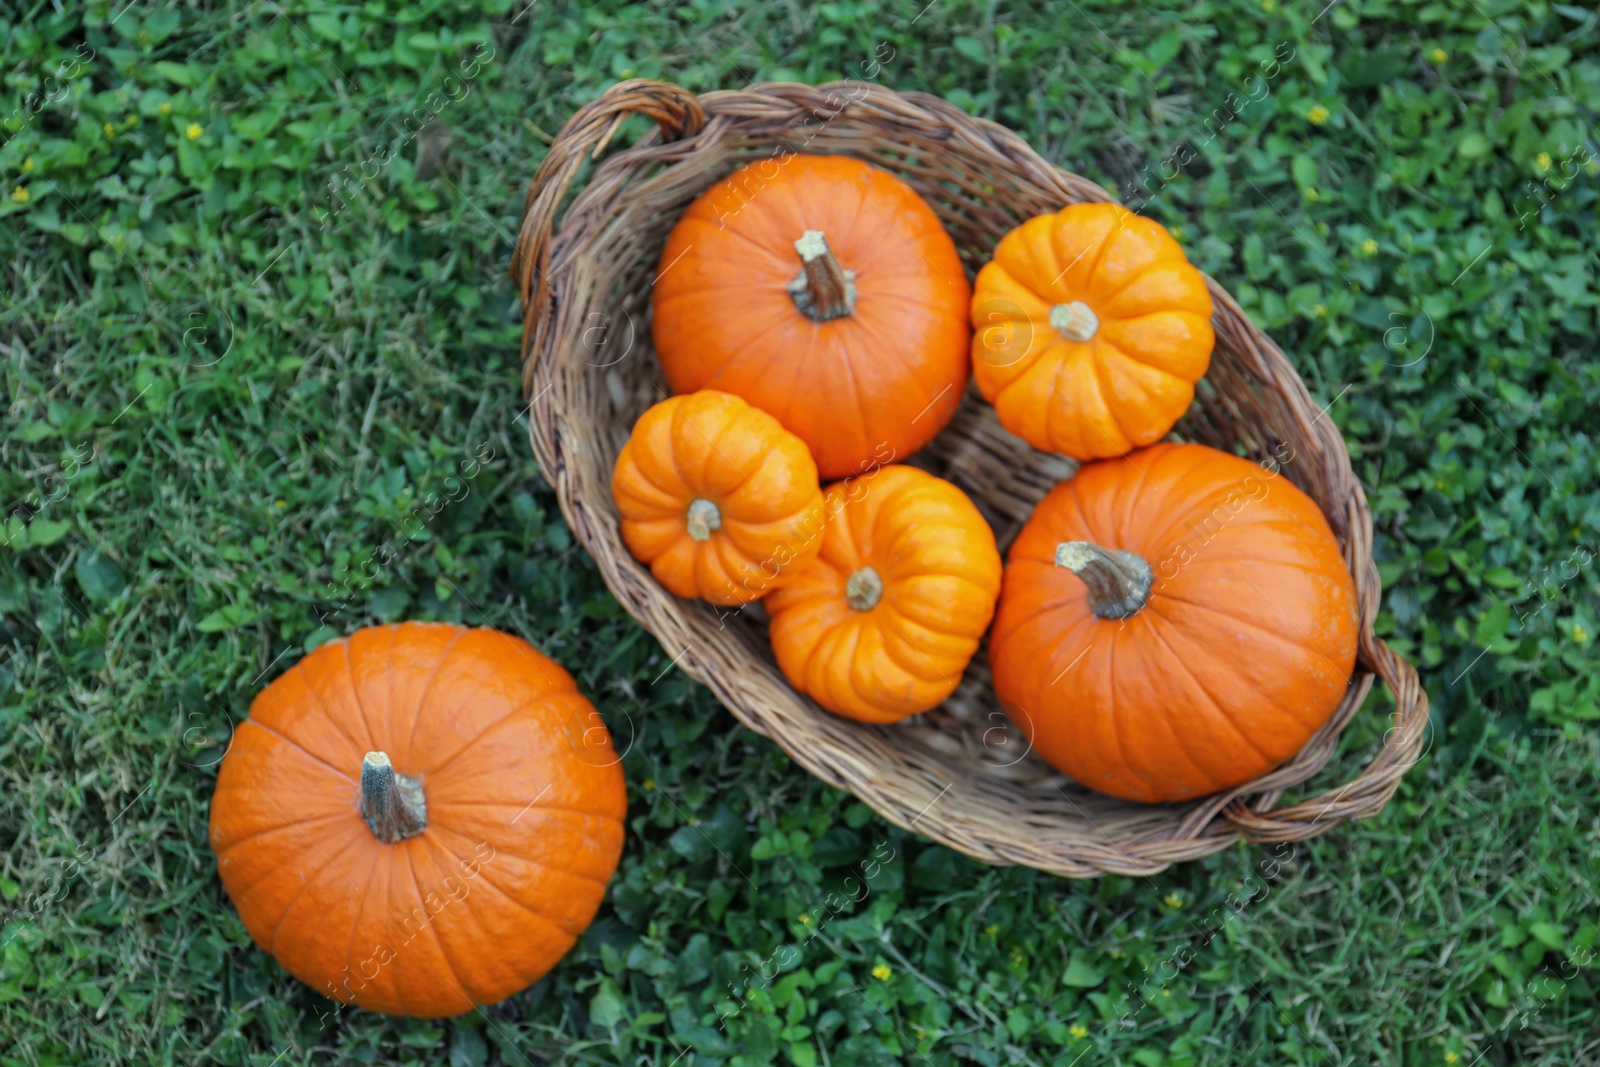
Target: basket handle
1367, 793
586, 134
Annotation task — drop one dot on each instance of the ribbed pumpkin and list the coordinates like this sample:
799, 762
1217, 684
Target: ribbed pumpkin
825, 291
419, 819
1173, 623
717, 498
882, 624
1092, 329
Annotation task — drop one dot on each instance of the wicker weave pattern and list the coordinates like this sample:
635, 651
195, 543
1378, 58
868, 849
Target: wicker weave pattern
958, 774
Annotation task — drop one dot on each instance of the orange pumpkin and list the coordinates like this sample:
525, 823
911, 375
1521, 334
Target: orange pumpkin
719, 499
419, 819
1092, 329
882, 624
825, 291
1173, 623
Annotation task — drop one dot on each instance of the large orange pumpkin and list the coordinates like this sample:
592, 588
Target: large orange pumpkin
717, 498
1092, 329
419, 819
825, 291
882, 624
1173, 623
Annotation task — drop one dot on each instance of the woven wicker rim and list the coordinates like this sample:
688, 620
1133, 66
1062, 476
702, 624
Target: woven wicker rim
947, 774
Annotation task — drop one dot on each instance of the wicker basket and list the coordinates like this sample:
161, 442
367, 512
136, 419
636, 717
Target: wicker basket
959, 774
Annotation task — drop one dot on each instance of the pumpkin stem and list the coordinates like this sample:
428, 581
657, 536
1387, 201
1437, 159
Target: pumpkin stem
392, 804
823, 289
863, 589
1119, 582
1075, 321
704, 516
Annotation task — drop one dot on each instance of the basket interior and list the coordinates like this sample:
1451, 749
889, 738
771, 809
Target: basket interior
961, 774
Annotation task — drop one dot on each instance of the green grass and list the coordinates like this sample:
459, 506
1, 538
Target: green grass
222, 397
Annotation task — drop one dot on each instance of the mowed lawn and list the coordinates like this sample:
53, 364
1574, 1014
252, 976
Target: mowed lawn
243, 341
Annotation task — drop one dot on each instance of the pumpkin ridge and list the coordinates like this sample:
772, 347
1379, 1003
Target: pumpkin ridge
388, 676
519, 709
779, 354
805, 671
327, 712
766, 253
1050, 409
919, 672
1234, 619
1020, 366
309, 882
912, 645
1111, 700
355, 694
427, 688
868, 325
855, 387
1124, 353
1222, 713
1189, 466
566, 809
361, 907
1314, 647
1098, 361
879, 541
751, 464
258, 724
1106, 298
924, 623
230, 846
422, 902
1122, 223
1094, 533
1176, 742
902, 661
483, 873
1099, 253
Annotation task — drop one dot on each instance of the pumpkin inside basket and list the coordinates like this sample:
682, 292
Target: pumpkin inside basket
959, 774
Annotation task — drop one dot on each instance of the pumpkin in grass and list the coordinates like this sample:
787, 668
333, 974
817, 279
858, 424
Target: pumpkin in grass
717, 498
1092, 329
825, 291
882, 624
1173, 623
419, 819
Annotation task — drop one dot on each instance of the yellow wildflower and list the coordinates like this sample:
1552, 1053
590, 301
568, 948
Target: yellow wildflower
882, 972
1077, 1030
1318, 115
111, 131
1542, 161
194, 131
165, 107
27, 165
1173, 900
1369, 247
1579, 634
20, 194
1438, 55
